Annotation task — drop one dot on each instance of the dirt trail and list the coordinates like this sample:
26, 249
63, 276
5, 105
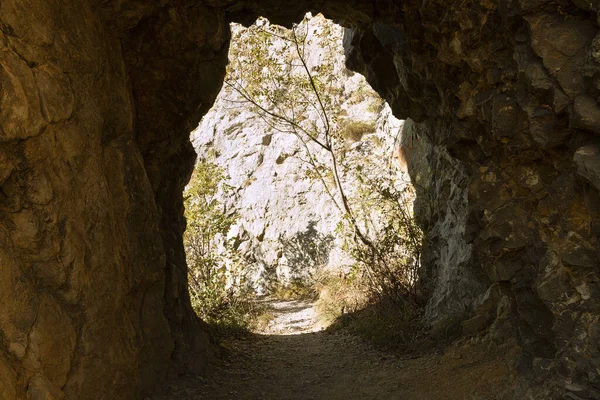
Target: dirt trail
293, 360
290, 317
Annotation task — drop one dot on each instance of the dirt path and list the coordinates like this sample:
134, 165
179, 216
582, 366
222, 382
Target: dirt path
290, 317
294, 361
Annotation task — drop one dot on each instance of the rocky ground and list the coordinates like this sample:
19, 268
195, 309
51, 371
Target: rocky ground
292, 359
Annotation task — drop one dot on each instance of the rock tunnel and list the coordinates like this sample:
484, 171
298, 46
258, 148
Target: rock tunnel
97, 101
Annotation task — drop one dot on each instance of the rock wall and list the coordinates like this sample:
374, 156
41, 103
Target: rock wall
93, 305
176, 60
97, 99
286, 227
503, 101
451, 278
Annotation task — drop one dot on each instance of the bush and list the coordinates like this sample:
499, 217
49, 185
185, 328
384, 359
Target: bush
338, 295
389, 250
228, 312
350, 302
382, 323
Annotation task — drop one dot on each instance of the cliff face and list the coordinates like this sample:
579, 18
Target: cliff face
286, 231
97, 101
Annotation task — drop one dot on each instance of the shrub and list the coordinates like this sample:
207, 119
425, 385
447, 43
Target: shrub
382, 323
338, 295
389, 249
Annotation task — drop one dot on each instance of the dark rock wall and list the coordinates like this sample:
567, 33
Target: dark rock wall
176, 60
96, 102
81, 255
504, 96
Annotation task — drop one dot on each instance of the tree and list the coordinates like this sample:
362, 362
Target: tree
293, 94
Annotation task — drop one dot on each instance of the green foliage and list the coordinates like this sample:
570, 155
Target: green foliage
206, 218
271, 73
211, 292
391, 254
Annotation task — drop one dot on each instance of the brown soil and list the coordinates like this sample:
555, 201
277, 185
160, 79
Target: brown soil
300, 364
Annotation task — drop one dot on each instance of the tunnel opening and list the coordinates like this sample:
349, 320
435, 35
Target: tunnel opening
271, 248
301, 186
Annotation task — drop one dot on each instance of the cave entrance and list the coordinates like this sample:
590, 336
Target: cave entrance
300, 199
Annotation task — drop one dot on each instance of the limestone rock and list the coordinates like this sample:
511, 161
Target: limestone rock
521, 213
287, 222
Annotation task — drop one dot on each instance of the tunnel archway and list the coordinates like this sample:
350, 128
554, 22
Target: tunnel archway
98, 101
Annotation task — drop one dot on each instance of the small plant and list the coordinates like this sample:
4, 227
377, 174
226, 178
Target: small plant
376, 106
355, 130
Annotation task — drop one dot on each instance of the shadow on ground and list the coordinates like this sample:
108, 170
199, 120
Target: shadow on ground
336, 365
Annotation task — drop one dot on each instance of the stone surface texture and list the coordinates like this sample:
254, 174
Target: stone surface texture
97, 99
502, 148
